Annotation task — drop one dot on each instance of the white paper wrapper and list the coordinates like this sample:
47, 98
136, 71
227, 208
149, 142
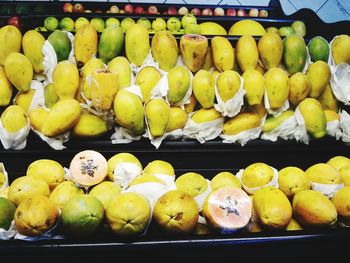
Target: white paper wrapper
274, 112
300, 132
152, 191
285, 130
326, 189
168, 180
38, 100
155, 141
122, 136
201, 198
201, 220
14, 140
233, 106
174, 135
124, 173
55, 143
6, 183
273, 183
162, 87
340, 82
244, 136
345, 126
8, 234
50, 57
333, 129
204, 131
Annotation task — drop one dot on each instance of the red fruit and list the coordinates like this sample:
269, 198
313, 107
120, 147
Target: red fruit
231, 12
152, 10
68, 8
254, 12
139, 10
196, 12
128, 9
207, 12
15, 21
241, 12
78, 8
172, 11
219, 11
263, 13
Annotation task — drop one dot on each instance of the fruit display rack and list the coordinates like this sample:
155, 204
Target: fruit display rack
207, 159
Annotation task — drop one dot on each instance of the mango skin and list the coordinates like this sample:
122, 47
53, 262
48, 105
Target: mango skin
241, 122
179, 80
294, 53
328, 100
314, 117
254, 85
5, 88
270, 48
137, 44
177, 119
157, 113
299, 88
313, 209
247, 52
85, 43
204, 88
147, 79
228, 84
89, 126
193, 50
32, 43
206, 115
121, 66
341, 49
10, 41
272, 207
37, 118
223, 53
319, 75
13, 119
62, 117
65, 79
276, 83
111, 43
129, 112
165, 50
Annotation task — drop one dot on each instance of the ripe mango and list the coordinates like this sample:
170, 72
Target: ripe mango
193, 50
177, 119
137, 44
292, 180
24, 99
10, 41
5, 88
272, 123
189, 107
37, 118
323, 173
228, 84
294, 53
121, 66
257, 175
314, 117
247, 52
259, 109
313, 209
85, 44
63, 116
147, 79
157, 113
103, 89
223, 53
254, 86
89, 67
208, 60
128, 110
13, 118
241, 122
32, 43
340, 49
276, 81
341, 201
111, 43
328, 100
19, 71
89, 126
179, 80
65, 79
206, 115
165, 50
270, 48
299, 88
203, 86
272, 207
50, 95
319, 75
331, 115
